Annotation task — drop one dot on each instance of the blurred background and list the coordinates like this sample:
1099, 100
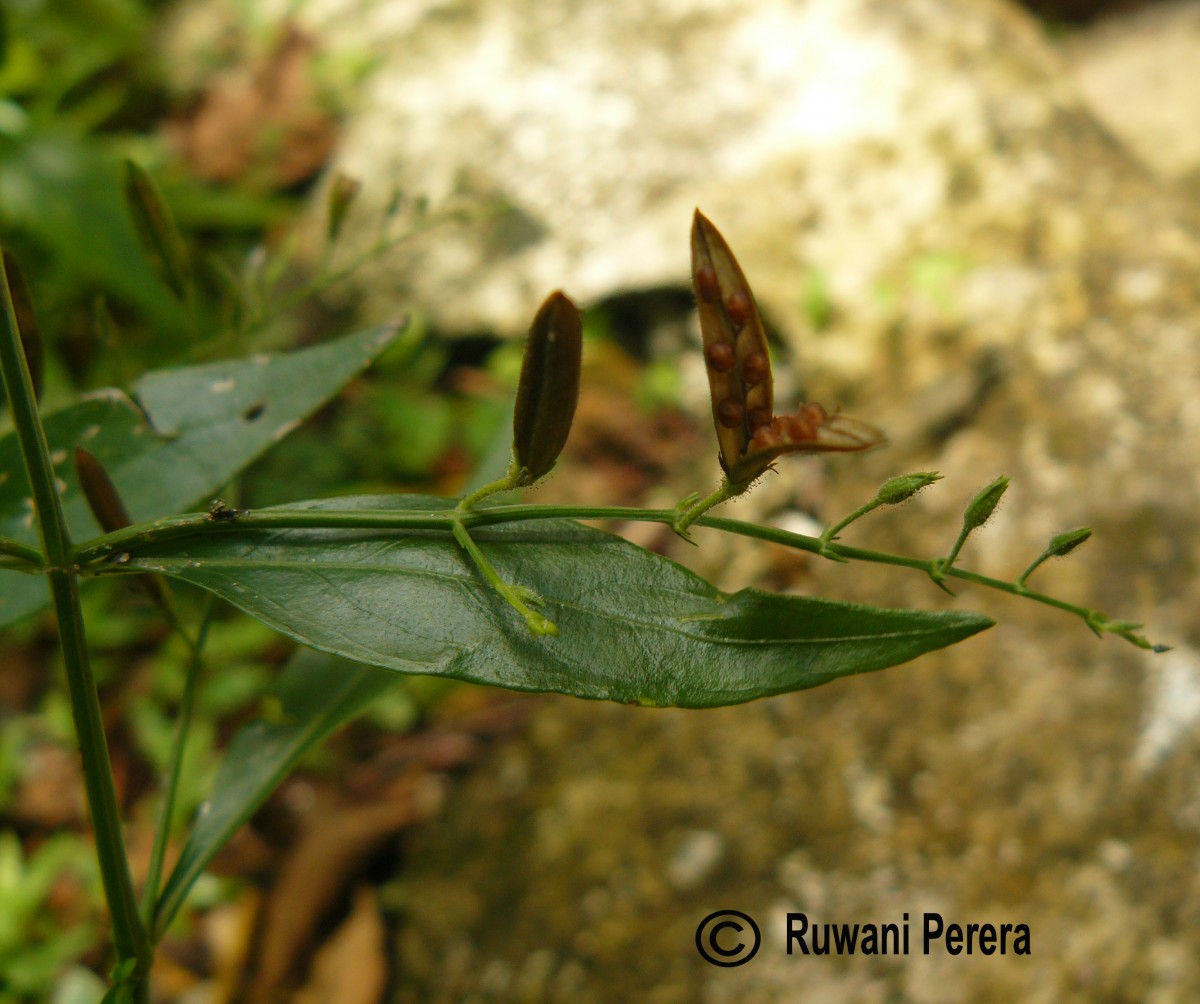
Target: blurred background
972, 224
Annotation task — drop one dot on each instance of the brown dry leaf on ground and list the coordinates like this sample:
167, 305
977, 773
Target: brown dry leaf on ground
352, 966
262, 125
315, 874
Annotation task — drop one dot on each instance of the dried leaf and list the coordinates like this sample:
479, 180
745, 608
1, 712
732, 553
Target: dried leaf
313, 877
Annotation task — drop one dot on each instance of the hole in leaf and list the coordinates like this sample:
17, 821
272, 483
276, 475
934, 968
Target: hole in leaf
254, 412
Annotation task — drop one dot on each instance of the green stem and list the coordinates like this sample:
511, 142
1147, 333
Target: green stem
129, 934
511, 480
28, 555
175, 769
1033, 567
516, 596
93, 556
829, 534
688, 511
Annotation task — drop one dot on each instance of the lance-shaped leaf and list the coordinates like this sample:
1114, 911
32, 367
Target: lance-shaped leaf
549, 387
633, 626
749, 434
316, 695
191, 430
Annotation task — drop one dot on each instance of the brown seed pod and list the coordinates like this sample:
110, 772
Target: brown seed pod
101, 494
105, 502
739, 373
549, 387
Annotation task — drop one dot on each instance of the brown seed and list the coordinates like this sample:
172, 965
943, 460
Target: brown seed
802, 427
730, 413
756, 368
758, 418
707, 284
720, 357
737, 304
765, 438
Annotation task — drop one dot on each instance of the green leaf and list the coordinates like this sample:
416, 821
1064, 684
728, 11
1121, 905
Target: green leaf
633, 626
315, 695
196, 428
65, 192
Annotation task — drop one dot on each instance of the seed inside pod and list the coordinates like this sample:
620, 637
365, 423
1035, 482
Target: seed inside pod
755, 368
737, 304
730, 413
757, 418
707, 284
803, 426
720, 357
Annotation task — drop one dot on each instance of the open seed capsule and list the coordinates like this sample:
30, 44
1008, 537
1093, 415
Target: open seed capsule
749, 435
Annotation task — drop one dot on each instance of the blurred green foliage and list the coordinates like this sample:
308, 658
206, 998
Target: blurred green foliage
81, 92
36, 942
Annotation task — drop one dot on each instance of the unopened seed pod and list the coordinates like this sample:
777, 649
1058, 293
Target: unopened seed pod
100, 492
105, 502
549, 387
156, 229
750, 437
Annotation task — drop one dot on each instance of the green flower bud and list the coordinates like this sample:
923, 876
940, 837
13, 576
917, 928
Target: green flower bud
984, 504
904, 487
1065, 543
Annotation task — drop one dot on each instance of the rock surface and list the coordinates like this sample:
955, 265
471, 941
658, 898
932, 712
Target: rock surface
1001, 288
1137, 71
